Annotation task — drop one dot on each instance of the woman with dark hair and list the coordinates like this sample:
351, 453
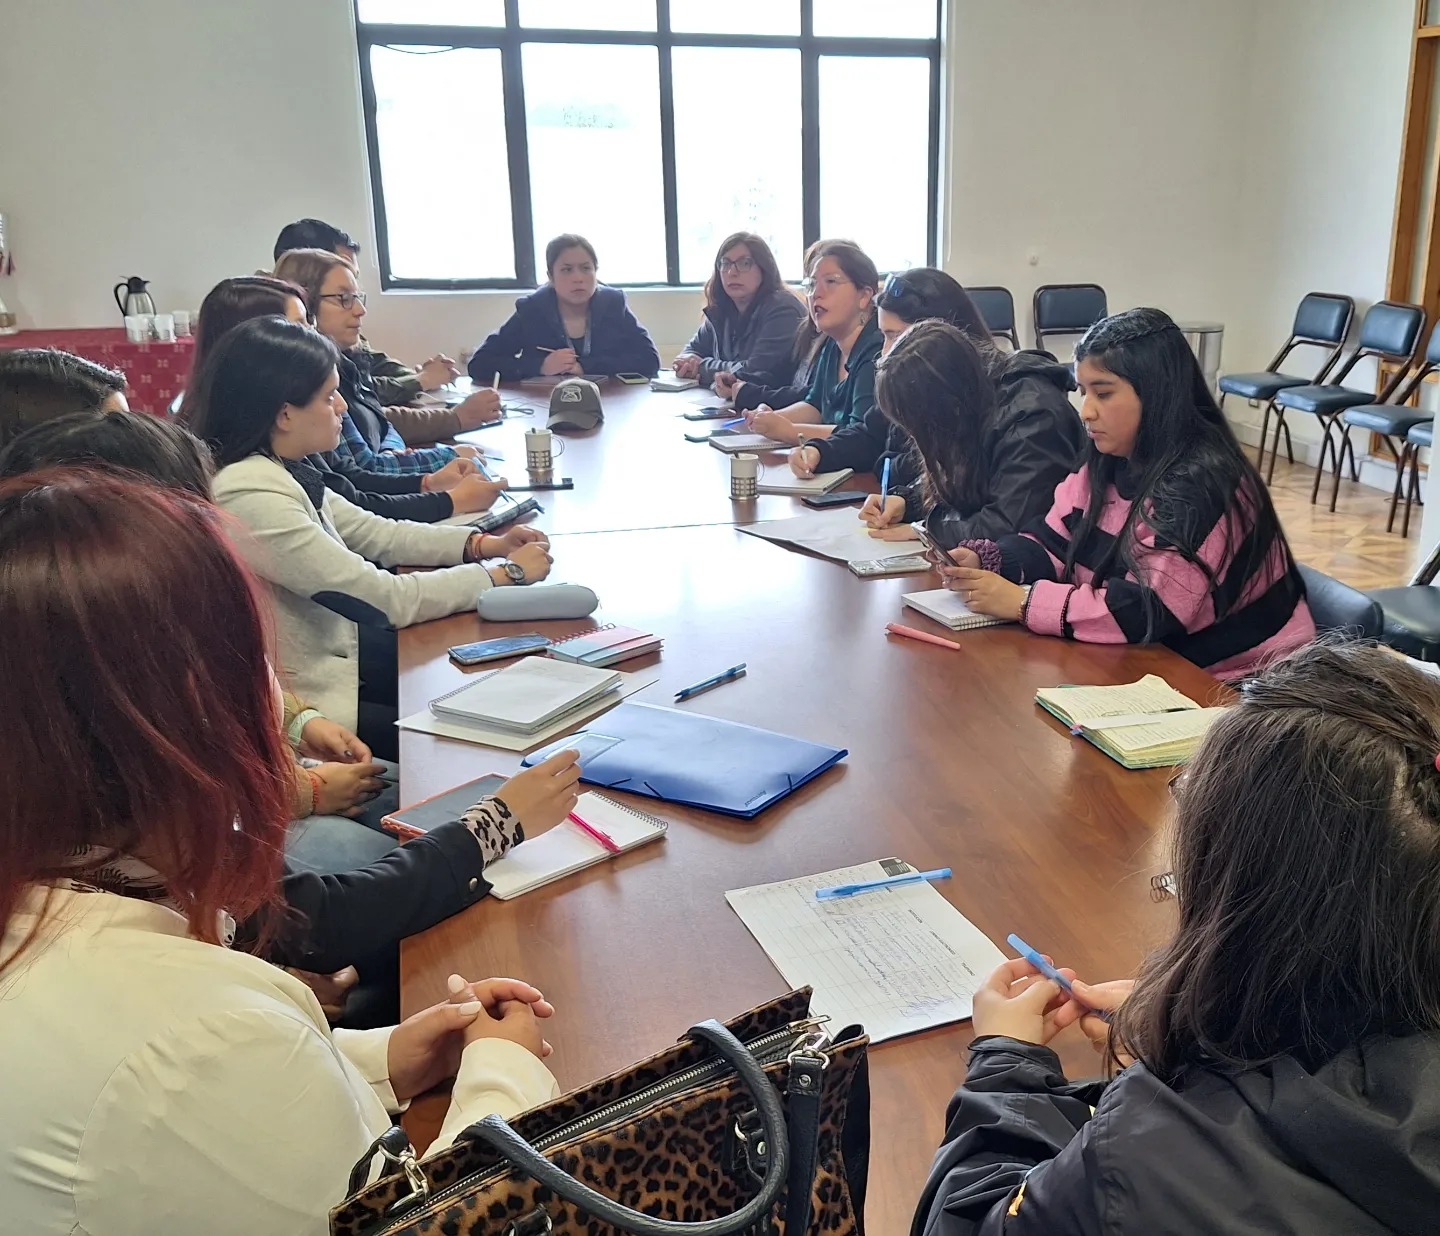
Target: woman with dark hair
267, 398
990, 435
573, 325
38, 384
459, 488
840, 283
1274, 1059
1028, 385
375, 437
1166, 534
160, 1104
750, 318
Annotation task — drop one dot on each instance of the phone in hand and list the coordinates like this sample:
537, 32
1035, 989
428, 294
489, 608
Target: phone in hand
495, 649
632, 379
937, 556
709, 414
838, 497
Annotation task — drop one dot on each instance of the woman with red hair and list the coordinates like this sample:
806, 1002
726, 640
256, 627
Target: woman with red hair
159, 1080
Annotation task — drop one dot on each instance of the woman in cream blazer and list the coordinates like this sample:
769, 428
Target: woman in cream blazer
266, 397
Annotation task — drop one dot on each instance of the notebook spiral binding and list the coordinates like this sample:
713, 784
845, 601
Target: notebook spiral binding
635, 811
1162, 886
570, 639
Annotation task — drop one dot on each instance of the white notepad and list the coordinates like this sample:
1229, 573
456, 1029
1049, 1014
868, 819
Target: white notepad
527, 696
786, 482
949, 610
896, 961
566, 849
666, 380
733, 443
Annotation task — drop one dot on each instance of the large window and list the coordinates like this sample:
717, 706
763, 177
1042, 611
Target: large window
652, 127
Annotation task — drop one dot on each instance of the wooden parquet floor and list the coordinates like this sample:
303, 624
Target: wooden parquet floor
1352, 544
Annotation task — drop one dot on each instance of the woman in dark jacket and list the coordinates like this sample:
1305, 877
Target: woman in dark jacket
573, 325
991, 436
750, 319
1286, 1039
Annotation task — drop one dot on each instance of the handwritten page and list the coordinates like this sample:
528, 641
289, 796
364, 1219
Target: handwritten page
836, 534
896, 961
1174, 731
1084, 705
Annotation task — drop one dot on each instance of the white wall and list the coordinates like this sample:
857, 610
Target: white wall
1114, 138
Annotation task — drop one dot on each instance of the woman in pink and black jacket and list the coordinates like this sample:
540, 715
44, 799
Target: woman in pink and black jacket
1166, 534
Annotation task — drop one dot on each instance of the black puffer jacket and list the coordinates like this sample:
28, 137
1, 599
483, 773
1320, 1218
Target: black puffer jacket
1351, 1148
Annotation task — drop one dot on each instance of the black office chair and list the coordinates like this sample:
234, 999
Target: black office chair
1390, 331
1067, 309
1393, 422
1339, 607
1412, 612
997, 307
1322, 320
1421, 437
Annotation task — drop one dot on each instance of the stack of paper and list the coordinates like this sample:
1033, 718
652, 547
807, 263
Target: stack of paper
526, 697
786, 482
666, 380
837, 534
896, 960
608, 646
949, 610
1145, 724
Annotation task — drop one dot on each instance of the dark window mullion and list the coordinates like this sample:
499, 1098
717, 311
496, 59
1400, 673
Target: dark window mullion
932, 212
809, 126
668, 173
377, 181
517, 149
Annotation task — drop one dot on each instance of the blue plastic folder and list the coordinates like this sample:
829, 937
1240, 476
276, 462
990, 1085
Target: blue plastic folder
692, 759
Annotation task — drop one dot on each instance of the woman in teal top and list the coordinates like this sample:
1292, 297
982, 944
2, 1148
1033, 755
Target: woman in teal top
841, 283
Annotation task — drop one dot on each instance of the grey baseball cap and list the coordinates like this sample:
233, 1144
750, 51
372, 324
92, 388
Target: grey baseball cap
575, 404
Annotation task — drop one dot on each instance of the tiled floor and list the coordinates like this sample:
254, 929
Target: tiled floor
1351, 544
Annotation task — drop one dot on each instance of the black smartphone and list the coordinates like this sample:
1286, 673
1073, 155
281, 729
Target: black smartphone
494, 649
709, 414
632, 379
838, 497
563, 483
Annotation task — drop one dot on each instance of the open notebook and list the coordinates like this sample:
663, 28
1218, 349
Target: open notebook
1144, 724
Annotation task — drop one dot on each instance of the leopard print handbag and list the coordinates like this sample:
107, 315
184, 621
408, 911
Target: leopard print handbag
754, 1128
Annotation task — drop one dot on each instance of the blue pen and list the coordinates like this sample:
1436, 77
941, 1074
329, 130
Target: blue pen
1050, 972
739, 420
885, 481
869, 886
734, 672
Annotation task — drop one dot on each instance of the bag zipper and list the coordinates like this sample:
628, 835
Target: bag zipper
767, 1049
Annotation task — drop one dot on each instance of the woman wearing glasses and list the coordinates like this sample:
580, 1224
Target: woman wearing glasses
841, 283
574, 324
750, 319
368, 440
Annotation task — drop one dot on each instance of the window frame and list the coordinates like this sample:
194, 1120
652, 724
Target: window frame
509, 39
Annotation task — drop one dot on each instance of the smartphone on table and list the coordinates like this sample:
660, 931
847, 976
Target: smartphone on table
709, 414
837, 497
495, 649
632, 379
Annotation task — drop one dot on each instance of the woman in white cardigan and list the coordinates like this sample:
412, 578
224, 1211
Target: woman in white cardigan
156, 1080
267, 396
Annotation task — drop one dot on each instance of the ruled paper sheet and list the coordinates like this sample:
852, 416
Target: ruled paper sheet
896, 961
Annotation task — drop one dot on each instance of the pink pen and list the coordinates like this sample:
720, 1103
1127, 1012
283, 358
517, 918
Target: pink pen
894, 628
603, 838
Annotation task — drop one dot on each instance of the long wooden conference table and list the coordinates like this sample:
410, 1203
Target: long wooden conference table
951, 764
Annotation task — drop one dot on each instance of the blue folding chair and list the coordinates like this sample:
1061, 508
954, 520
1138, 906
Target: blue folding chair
997, 307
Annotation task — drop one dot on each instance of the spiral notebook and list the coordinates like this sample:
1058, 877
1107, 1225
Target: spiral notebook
604, 646
949, 610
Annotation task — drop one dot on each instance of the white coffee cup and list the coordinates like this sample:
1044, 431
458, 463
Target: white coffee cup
182, 323
540, 452
135, 329
744, 477
165, 327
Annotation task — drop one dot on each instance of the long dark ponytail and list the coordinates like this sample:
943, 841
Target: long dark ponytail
1187, 470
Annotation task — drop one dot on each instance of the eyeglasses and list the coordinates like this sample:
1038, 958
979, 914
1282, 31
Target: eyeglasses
346, 300
741, 266
810, 286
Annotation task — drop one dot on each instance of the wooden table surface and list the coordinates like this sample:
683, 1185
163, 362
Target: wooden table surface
951, 764
637, 470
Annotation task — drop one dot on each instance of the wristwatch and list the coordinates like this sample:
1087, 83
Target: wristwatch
515, 571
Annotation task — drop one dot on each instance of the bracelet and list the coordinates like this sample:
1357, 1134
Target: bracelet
316, 785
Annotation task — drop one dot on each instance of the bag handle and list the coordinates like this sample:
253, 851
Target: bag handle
494, 1132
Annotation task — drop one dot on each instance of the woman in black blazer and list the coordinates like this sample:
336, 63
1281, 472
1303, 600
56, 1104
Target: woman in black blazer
573, 325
